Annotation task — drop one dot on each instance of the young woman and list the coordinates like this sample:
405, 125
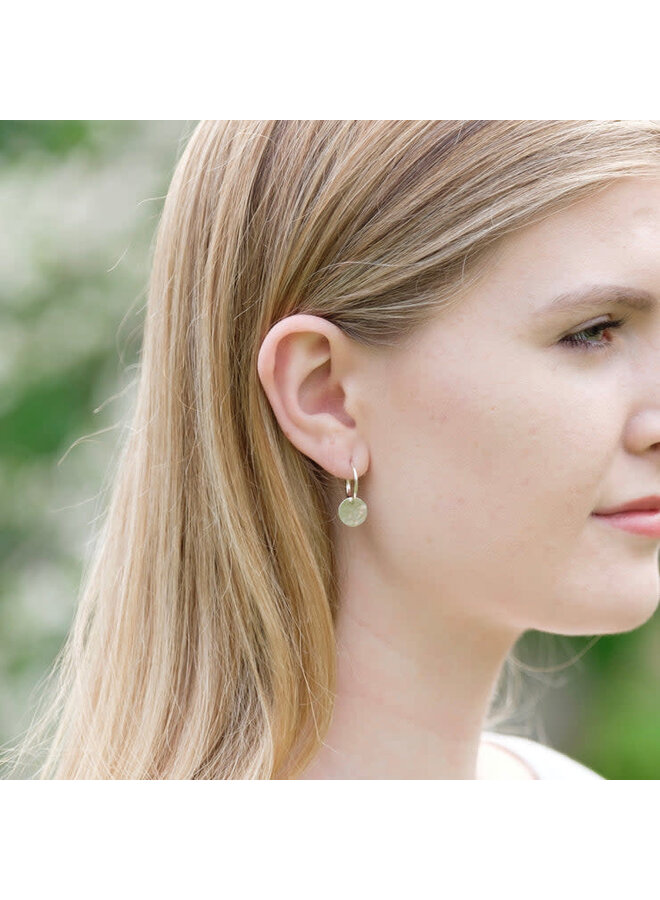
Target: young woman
396, 376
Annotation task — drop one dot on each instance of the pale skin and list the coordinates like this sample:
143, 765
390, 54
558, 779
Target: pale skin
482, 450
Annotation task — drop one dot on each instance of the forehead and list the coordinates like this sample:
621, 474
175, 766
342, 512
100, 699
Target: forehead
612, 237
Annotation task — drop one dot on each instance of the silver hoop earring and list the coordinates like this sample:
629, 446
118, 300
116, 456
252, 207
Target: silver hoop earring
352, 511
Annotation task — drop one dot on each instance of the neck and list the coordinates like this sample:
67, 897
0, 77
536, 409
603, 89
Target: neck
413, 688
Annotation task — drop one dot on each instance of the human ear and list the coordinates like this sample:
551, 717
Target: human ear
308, 369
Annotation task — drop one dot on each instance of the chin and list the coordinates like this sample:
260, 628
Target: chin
634, 618
606, 599
616, 616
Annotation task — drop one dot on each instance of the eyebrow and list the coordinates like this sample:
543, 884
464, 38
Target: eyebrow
585, 298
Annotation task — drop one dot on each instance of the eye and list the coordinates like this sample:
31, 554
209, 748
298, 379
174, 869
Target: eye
581, 340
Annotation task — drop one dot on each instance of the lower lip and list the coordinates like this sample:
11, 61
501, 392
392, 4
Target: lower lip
638, 522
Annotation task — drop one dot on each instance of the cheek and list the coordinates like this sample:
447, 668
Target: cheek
505, 446
487, 470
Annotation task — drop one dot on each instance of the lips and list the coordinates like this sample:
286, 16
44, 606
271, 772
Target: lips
644, 522
643, 504
640, 516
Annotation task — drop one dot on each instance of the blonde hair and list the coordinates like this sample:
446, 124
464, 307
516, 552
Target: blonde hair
203, 643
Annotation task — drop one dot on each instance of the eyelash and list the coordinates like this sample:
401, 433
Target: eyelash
575, 341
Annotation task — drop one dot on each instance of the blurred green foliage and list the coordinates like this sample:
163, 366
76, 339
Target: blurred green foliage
80, 204
52, 136
55, 137
44, 415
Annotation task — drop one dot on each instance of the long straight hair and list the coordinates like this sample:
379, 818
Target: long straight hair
203, 644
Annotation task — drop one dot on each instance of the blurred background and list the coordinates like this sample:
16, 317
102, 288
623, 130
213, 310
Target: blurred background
79, 206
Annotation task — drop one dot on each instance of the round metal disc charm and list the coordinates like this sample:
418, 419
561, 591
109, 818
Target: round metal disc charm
352, 511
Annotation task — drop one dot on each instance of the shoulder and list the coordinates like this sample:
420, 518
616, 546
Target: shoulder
545, 762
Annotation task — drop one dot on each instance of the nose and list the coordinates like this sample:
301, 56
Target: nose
643, 426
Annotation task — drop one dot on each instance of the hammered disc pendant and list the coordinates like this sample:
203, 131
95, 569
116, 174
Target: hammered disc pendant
352, 511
